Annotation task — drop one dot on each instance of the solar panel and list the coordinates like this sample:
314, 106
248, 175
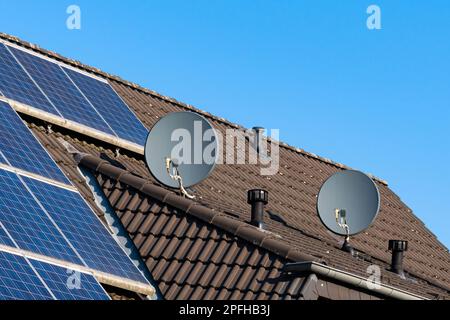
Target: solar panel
61, 91
116, 113
18, 281
22, 150
28, 224
5, 239
17, 85
84, 230
48, 86
67, 284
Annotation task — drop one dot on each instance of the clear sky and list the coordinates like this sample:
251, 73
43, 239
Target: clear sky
376, 100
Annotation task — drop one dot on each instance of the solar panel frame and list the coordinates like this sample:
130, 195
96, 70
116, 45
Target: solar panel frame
22, 150
16, 84
84, 230
61, 91
111, 106
18, 281
28, 224
85, 286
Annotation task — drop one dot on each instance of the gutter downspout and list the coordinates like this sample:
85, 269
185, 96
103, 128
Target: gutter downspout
352, 279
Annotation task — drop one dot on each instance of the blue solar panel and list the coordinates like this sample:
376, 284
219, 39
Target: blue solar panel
116, 113
61, 91
21, 148
18, 281
66, 284
17, 85
5, 239
28, 224
84, 230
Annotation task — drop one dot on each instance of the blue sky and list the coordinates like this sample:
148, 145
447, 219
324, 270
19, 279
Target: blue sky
376, 100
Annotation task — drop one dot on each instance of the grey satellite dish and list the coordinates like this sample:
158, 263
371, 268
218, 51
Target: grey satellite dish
348, 203
181, 150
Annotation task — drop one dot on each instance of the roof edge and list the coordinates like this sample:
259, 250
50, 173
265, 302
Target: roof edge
218, 219
135, 86
352, 279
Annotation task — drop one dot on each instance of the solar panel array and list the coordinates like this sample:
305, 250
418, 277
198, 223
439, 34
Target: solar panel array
16, 84
83, 230
60, 90
18, 281
22, 150
67, 284
29, 225
48, 217
112, 108
47, 85
26, 279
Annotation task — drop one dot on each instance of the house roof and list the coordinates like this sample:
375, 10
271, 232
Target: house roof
173, 256
184, 244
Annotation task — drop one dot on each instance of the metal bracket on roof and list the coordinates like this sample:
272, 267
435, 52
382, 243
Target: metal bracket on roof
341, 220
69, 148
175, 175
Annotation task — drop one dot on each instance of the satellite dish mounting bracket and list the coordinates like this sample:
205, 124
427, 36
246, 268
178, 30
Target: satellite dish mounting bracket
341, 220
172, 170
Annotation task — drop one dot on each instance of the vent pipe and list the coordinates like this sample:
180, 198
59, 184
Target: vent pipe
398, 247
259, 131
257, 198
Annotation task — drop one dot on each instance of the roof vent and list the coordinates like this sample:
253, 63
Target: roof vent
258, 199
259, 131
398, 247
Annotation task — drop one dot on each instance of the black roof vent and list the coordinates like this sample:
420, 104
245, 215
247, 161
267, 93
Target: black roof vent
398, 247
258, 199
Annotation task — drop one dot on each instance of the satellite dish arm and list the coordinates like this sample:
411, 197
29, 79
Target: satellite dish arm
341, 220
174, 174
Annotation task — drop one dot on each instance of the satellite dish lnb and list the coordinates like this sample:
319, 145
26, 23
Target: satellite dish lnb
181, 150
348, 203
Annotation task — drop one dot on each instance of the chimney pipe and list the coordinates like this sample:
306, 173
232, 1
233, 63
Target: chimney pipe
258, 199
398, 247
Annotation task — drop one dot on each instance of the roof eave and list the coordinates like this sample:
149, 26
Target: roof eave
352, 279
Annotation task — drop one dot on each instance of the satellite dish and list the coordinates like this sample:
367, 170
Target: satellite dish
348, 203
181, 150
